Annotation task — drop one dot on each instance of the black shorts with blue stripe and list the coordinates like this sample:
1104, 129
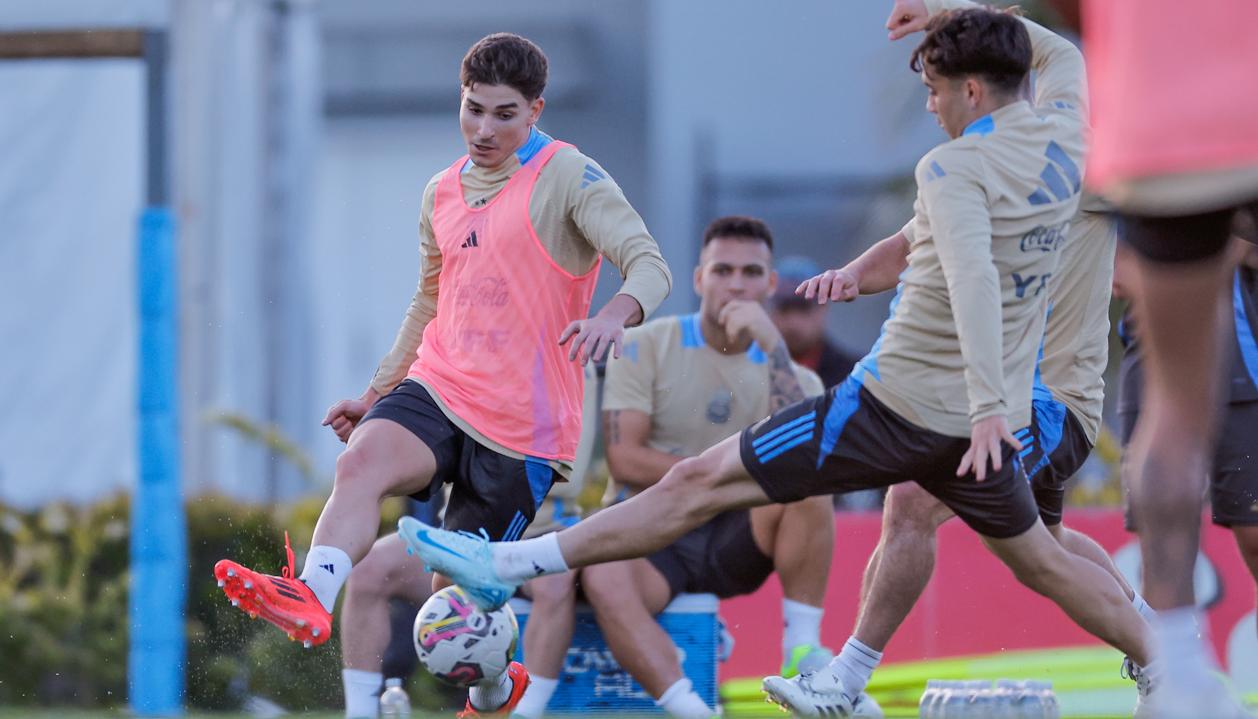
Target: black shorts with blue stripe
1054, 447
489, 491
846, 440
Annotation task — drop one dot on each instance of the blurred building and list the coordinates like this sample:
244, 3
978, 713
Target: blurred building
301, 135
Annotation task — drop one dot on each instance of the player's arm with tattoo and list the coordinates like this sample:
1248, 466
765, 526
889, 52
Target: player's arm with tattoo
743, 318
631, 459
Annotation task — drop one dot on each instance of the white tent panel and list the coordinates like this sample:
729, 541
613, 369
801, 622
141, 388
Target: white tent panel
71, 188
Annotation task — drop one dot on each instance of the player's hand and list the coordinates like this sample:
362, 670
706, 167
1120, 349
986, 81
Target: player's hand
345, 415
744, 319
907, 17
842, 285
985, 438
592, 338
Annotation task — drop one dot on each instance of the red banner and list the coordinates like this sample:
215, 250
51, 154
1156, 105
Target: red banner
973, 604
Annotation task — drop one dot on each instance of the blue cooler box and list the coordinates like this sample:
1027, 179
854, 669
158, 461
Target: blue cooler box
593, 683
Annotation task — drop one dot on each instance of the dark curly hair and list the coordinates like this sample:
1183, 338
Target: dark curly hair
738, 226
506, 59
976, 41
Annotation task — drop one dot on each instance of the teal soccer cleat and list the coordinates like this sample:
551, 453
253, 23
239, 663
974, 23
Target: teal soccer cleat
464, 558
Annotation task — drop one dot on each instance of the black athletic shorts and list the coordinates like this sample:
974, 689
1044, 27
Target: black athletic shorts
847, 440
1234, 475
489, 491
720, 557
1054, 447
1188, 238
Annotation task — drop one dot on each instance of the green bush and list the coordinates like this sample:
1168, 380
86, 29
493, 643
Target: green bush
64, 574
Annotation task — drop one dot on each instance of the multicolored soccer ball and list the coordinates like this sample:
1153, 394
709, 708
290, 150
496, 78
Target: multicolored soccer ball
461, 645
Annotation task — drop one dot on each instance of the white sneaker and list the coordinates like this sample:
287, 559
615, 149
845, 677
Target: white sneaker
819, 694
1190, 696
1212, 699
864, 707
1131, 670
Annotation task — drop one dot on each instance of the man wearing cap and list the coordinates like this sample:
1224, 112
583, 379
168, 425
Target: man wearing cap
803, 324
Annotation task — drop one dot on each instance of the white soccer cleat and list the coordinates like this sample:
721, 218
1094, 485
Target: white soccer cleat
464, 558
819, 694
1204, 694
864, 707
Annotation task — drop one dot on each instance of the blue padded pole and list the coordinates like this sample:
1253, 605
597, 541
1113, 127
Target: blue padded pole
158, 536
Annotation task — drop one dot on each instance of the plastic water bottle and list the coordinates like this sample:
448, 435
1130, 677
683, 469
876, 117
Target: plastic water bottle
981, 700
926, 707
1028, 702
955, 702
1006, 694
394, 703
1045, 698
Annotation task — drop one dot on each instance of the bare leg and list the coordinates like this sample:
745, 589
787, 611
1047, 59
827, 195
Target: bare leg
799, 537
626, 597
1082, 545
383, 459
552, 621
1178, 307
900, 567
1087, 593
385, 573
694, 491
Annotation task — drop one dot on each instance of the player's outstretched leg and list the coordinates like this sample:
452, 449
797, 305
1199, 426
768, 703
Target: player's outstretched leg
547, 637
1086, 592
383, 459
691, 493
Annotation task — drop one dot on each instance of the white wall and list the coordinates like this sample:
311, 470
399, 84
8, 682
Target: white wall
70, 196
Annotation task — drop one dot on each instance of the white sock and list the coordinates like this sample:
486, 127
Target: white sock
801, 624
491, 693
854, 665
528, 558
362, 693
1179, 646
1143, 607
533, 704
681, 701
325, 573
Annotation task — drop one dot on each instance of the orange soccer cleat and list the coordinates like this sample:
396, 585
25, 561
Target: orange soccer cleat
519, 683
283, 601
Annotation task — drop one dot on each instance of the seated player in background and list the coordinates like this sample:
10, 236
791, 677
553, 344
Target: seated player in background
681, 385
1233, 476
936, 400
389, 572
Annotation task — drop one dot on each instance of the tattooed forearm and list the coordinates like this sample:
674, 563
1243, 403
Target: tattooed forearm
784, 386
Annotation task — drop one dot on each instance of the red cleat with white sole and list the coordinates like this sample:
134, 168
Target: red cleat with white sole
283, 601
519, 683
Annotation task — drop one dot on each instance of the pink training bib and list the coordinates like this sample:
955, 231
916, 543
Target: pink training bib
1173, 86
492, 352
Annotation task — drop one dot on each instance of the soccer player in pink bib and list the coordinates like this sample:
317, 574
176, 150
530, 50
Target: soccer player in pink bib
483, 387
